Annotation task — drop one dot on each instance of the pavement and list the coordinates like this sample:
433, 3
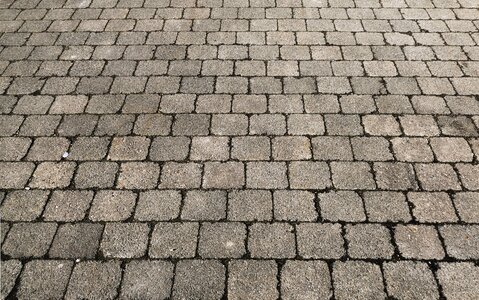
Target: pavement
239, 149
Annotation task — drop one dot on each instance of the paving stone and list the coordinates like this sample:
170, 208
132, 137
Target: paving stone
371, 148
266, 175
44, 279
437, 177
357, 279
209, 148
456, 126
96, 175
432, 207
201, 279
129, 148
274, 240
250, 205
173, 240
291, 148
412, 149
320, 241
309, 175
395, 176
418, 242
28, 239
451, 149
352, 175
204, 205
68, 205
466, 204
147, 279
461, 241
458, 279
91, 280
157, 205
52, 175
341, 206
305, 280
79, 240
138, 175
369, 241
124, 240
410, 280
23, 205
222, 240
250, 148
10, 271
252, 279
294, 206
112, 205
180, 175
468, 175
386, 206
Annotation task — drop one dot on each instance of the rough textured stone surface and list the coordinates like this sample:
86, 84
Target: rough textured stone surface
239, 149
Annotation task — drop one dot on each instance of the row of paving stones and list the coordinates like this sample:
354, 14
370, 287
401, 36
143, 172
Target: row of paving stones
238, 279
230, 175
303, 21
269, 124
193, 66
240, 104
233, 3
242, 85
26, 58
277, 240
242, 148
259, 36
241, 205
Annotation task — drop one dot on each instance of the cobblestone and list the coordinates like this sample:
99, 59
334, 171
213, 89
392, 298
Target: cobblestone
222, 149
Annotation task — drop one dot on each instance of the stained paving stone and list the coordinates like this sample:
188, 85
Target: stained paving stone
203, 134
44, 279
93, 280
76, 240
147, 279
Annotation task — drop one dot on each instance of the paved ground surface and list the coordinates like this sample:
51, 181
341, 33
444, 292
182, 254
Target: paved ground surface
239, 149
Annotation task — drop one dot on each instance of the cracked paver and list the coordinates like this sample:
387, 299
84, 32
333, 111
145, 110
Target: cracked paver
239, 149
